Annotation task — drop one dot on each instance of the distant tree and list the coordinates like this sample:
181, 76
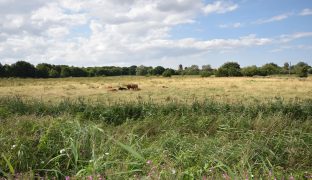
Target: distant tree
270, 69
7, 71
78, 72
286, 68
43, 70
54, 73
206, 71
250, 71
310, 71
193, 70
180, 67
206, 67
301, 69
206, 74
168, 73
125, 71
2, 71
142, 70
65, 71
22, 69
229, 69
132, 70
159, 70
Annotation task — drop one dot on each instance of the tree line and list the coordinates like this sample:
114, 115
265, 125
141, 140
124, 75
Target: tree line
25, 69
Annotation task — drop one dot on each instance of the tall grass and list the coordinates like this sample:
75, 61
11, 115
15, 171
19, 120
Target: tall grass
206, 139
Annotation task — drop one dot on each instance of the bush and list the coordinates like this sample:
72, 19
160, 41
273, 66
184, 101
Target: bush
250, 71
205, 74
167, 73
302, 71
270, 69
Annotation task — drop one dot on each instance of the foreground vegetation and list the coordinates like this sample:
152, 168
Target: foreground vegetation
142, 139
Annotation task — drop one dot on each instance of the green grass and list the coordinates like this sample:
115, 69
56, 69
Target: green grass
130, 140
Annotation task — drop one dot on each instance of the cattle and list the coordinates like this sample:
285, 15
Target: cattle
132, 86
122, 89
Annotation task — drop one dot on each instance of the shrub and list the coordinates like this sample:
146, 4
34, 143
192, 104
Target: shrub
250, 71
302, 71
167, 73
205, 74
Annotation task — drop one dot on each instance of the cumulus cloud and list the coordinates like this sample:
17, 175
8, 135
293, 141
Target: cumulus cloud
118, 32
220, 7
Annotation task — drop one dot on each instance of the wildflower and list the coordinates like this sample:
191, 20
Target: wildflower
149, 162
107, 154
13, 146
173, 171
42, 162
62, 151
67, 178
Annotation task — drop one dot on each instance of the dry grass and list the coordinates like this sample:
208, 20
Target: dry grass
160, 89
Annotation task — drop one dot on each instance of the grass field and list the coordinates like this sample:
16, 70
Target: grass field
173, 128
158, 89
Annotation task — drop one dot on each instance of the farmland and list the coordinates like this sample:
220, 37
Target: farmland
184, 127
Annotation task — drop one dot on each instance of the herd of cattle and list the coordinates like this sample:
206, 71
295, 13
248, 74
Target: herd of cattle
133, 87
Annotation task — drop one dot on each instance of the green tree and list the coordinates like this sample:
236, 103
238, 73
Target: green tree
193, 70
229, 69
167, 73
142, 71
301, 69
270, 69
54, 73
250, 71
132, 70
65, 71
22, 69
159, 70
2, 70
43, 70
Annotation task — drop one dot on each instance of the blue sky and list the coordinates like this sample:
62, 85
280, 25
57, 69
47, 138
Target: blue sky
156, 32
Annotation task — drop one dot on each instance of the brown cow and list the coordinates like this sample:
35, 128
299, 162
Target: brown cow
132, 86
122, 88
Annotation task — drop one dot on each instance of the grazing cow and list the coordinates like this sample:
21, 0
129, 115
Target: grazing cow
132, 86
122, 89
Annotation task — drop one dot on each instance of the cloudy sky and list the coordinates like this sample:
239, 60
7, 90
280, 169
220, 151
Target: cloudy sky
155, 32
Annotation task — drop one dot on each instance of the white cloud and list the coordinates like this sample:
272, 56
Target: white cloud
274, 18
220, 7
117, 32
290, 37
306, 12
232, 25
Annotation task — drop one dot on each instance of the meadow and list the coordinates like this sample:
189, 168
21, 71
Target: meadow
184, 127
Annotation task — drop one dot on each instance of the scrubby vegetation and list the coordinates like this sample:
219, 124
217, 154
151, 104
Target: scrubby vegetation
141, 139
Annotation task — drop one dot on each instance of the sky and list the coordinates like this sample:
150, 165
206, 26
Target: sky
155, 32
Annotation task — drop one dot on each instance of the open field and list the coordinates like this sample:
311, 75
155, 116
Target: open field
158, 89
173, 128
